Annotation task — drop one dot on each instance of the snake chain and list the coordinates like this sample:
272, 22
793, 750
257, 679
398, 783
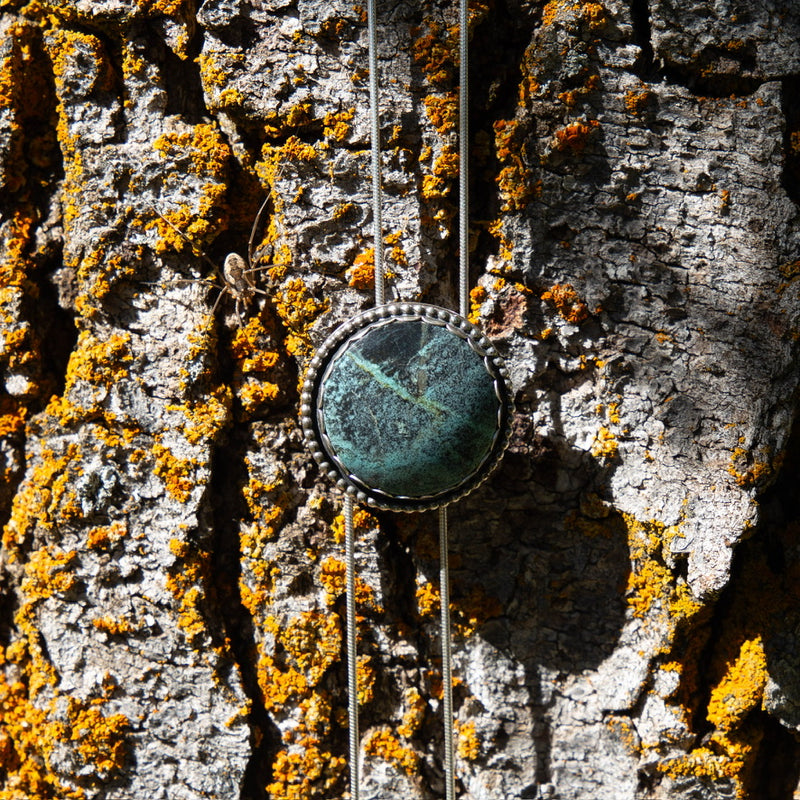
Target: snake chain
463, 300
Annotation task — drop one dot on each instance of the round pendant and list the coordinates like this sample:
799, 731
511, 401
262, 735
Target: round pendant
407, 407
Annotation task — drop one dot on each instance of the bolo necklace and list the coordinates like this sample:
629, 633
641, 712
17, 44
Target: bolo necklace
406, 407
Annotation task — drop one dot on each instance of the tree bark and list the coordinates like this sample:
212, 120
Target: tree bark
624, 587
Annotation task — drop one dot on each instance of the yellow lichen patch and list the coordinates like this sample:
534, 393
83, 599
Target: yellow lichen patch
365, 680
477, 296
279, 686
177, 473
435, 53
414, 714
605, 444
429, 601
203, 152
115, 626
313, 640
23, 748
100, 740
169, 8
741, 688
437, 184
215, 76
203, 148
567, 302
47, 573
575, 136
207, 418
258, 366
43, 499
291, 121
652, 588
187, 581
96, 363
363, 521
25, 98
637, 102
747, 470
384, 744
514, 178
362, 274
298, 309
442, 111
337, 124
305, 773
468, 745
332, 576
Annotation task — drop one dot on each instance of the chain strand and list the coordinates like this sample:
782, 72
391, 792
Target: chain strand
463, 161
447, 659
352, 655
374, 108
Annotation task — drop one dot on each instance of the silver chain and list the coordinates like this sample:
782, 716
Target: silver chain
463, 161
447, 660
374, 109
352, 655
463, 302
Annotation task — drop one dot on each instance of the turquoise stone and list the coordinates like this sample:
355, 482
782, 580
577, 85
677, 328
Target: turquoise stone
409, 408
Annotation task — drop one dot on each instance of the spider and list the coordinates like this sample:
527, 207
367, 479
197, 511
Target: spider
236, 277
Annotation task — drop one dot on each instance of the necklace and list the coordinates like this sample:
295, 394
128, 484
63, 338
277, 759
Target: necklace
406, 407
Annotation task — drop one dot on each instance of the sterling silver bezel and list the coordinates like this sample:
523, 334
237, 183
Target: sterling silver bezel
319, 367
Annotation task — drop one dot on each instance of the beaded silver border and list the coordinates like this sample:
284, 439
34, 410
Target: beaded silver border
310, 412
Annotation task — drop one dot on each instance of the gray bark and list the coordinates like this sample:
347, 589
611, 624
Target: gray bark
624, 586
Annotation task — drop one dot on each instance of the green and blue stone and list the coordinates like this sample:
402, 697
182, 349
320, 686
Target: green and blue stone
409, 406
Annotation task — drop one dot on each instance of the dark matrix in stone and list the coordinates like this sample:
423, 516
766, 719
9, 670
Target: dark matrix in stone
410, 408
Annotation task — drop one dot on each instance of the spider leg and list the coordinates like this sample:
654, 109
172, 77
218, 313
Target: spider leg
224, 290
256, 221
191, 244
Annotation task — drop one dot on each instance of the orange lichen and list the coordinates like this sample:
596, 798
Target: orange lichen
415, 712
442, 111
741, 688
115, 626
361, 275
100, 739
48, 572
298, 309
188, 580
365, 680
293, 120
363, 521
332, 577
304, 774
384, 744
747, 470
313, 640
477, 296
258, 366
207, 418
652, 587
337, 124
514, 178
435, 54
637, 102
575, 136
468, 745
44, 498
567, 302
605, 444
177, 473
203, 152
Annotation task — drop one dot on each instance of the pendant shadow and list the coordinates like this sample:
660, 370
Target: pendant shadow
542, 563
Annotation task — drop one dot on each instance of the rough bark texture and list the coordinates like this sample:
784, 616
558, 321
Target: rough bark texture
625, 587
